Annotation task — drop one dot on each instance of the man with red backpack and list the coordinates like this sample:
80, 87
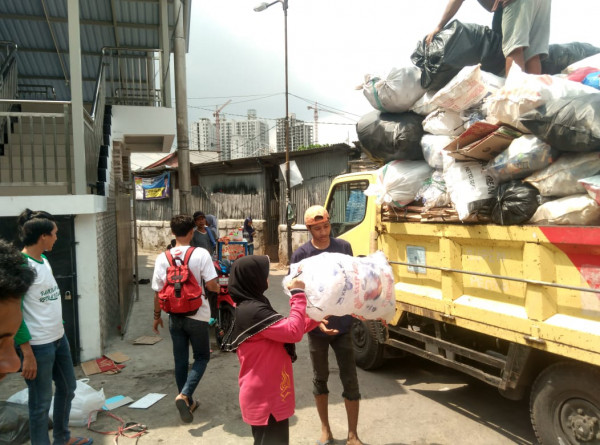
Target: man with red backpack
177, 282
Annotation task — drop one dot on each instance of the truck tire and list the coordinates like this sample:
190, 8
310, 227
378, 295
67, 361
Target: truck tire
565, 404
368, 352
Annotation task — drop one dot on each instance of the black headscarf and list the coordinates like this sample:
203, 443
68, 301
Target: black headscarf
253, 312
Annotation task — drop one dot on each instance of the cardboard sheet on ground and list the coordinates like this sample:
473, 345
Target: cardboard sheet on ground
117, 357
101, 365
147, 401
146, 340
116, 402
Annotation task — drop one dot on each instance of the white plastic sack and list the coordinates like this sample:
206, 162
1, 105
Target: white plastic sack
21, 397
338, 284
397, 92
592, 61
433, 149
424, 106
524, 92
470, 188
398, 182
524, 156
444, 122
560, 178
86, 400
466, 89
592, 185
570, 210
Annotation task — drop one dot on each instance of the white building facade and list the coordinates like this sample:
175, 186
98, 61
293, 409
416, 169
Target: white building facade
301, 134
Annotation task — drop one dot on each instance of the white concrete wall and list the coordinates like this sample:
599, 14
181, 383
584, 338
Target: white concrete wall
146, 121
300, 235
87, 287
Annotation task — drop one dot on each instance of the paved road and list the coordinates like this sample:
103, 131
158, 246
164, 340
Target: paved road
407, 401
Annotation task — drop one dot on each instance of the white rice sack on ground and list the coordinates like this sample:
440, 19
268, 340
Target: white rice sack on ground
470, 188
524, 92
424, 106
433, 149
570, 210
444, 123
398, 182
338, 284
560, 178
592, 185
466, 89
397, 92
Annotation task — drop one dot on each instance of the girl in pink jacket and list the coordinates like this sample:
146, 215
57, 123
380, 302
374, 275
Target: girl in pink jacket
264, 341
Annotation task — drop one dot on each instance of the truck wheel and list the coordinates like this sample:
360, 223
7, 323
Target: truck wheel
368, 352
565, 405
226, 317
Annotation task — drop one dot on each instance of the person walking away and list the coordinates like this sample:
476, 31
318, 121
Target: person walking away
335, 333
41, 340
264, 341
249, 234
15, 278
191, 329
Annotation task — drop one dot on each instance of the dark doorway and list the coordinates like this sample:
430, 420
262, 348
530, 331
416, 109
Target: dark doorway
62, 260
271, 234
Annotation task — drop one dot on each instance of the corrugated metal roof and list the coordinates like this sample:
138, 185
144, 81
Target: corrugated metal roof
24, 23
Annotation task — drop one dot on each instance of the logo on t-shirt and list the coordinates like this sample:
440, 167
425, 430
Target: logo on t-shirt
50, 294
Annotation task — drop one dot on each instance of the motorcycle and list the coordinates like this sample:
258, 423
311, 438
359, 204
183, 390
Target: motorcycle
227, 253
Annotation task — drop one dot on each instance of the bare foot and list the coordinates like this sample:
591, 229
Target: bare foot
353, 440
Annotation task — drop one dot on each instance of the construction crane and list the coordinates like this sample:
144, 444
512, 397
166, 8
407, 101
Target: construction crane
217, 115
316, 117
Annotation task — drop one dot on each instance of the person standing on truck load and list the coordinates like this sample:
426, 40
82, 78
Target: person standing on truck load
264, 342
41, 341
15, 279
525, 29
335, 333
186, 330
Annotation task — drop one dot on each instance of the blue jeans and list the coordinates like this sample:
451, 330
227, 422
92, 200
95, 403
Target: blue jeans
53, 363
186, 331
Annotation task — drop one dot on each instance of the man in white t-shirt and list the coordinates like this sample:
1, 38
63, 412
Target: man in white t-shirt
41, 340
186, 330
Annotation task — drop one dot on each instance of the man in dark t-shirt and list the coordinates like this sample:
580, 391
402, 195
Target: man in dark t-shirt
335, 332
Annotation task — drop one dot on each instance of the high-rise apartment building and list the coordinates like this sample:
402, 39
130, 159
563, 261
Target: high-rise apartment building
301, 134
242, 139
203, 135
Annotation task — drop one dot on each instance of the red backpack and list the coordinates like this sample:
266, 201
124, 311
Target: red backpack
181, 294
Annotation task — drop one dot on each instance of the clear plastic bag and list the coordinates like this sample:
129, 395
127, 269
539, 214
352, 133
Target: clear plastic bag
433, 149
338, 284
524, 156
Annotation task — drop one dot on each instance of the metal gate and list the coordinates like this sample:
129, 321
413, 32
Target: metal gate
63, 262
126, 253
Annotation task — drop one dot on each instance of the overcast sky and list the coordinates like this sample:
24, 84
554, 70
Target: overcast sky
238, 54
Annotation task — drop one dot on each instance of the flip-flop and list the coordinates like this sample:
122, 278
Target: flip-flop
184, 410
82, 441
327, 442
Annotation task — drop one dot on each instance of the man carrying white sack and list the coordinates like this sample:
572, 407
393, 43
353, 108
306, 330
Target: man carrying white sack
335, 333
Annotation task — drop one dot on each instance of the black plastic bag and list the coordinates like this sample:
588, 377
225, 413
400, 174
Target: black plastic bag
569, 124
516, 202
387, 137
562, 55
14, 423
454, 47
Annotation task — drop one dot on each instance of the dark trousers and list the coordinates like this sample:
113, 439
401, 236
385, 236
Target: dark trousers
273, 433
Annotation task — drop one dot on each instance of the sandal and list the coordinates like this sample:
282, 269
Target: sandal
80, 441
184, 409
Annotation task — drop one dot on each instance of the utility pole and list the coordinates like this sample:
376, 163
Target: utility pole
217, 115
183, 141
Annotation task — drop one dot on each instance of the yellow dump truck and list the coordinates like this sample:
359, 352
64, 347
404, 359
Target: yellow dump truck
517, 307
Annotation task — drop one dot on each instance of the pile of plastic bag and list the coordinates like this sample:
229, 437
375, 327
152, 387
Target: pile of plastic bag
338, 284
509, 149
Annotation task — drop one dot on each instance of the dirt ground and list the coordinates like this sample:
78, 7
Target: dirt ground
406, 402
